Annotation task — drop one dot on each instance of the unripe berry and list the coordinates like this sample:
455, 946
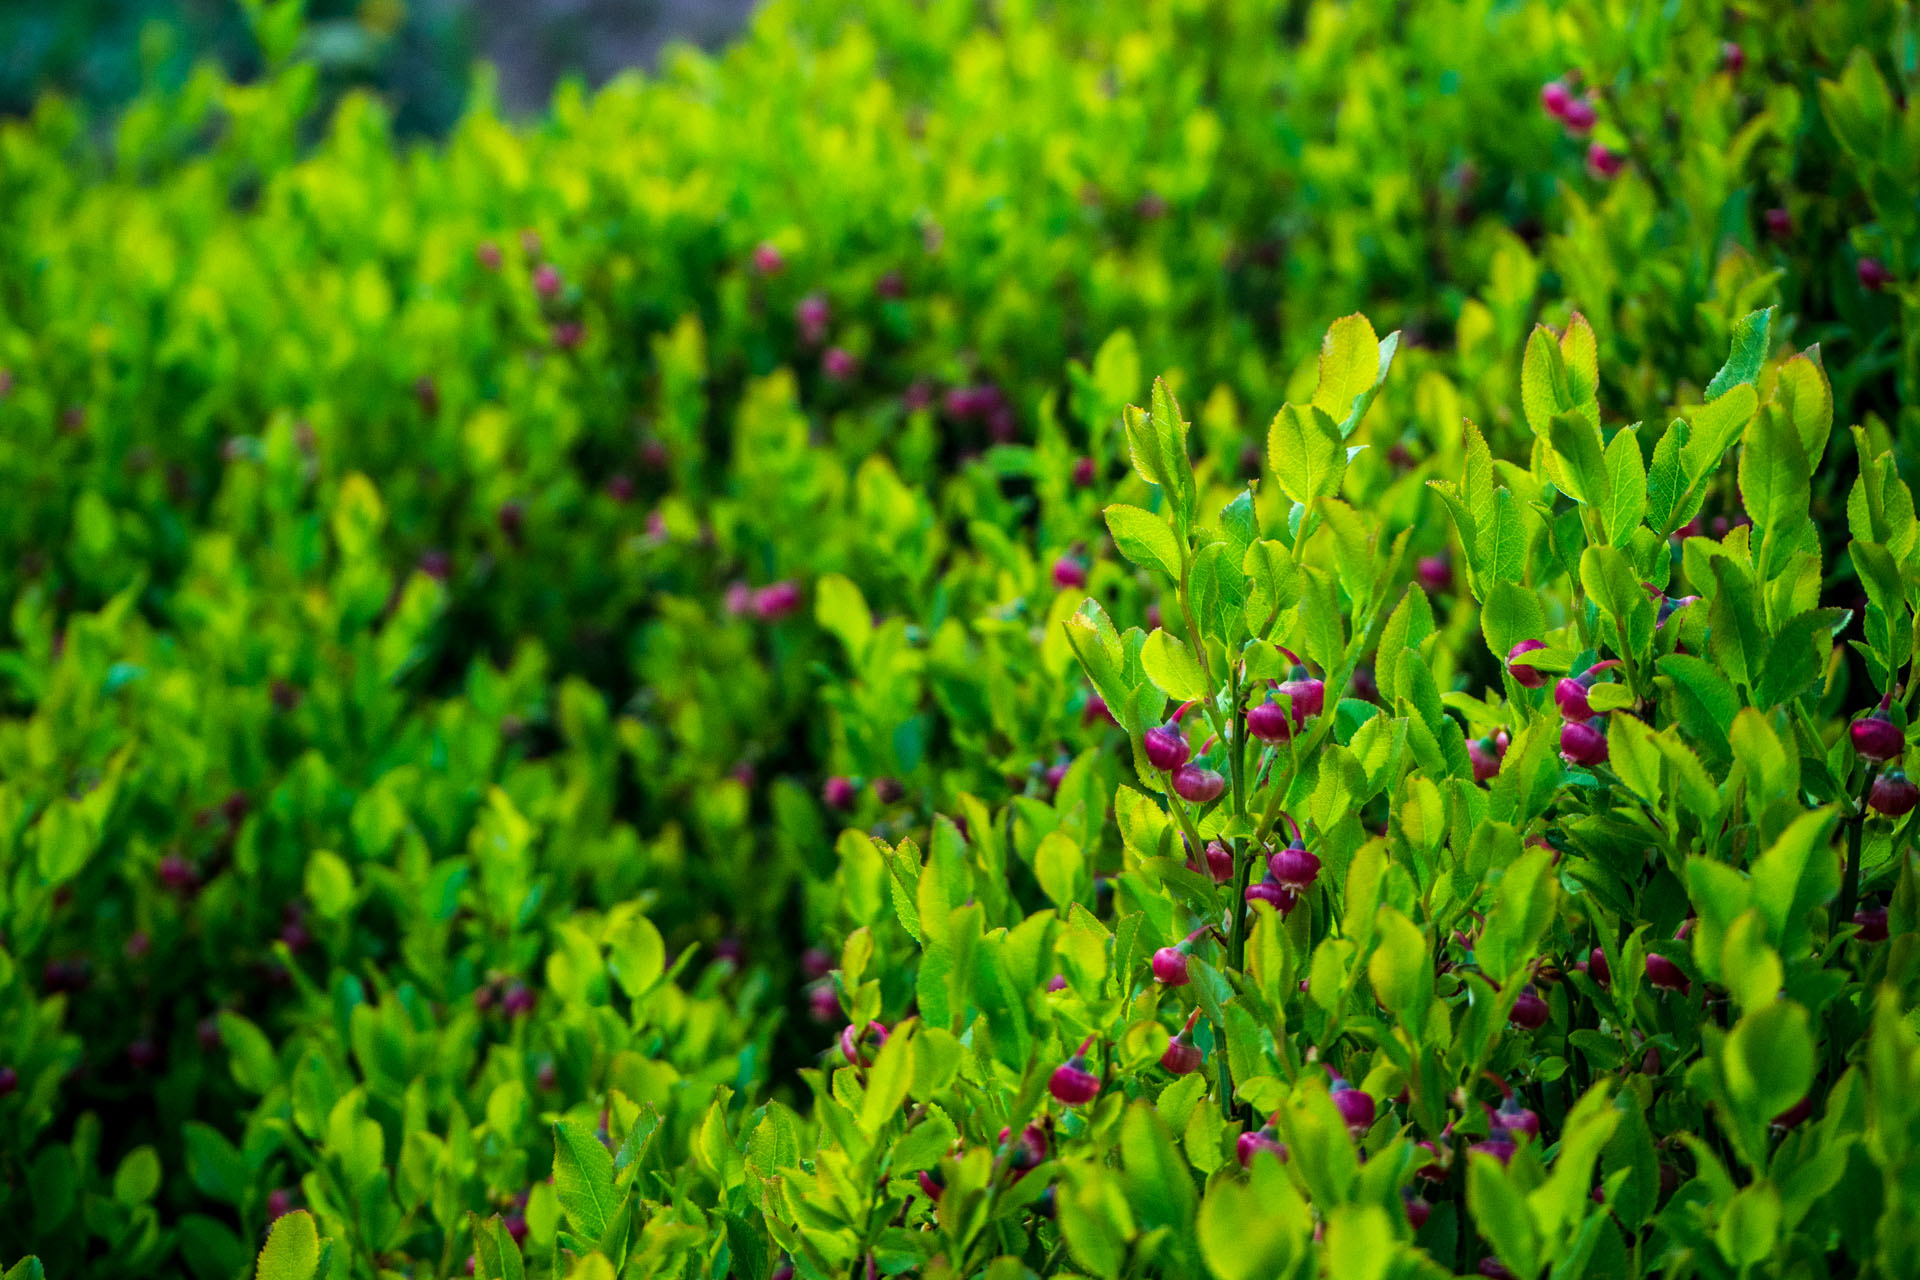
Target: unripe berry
1582, 743
1166, 747
1170, 967
1579, 116
1893, 794
1554, 97
1198, 785
1529, 1011
1876, 737
1665, 974
1874, 275
1523, 675
1355, 1107
1295, 866
1873, 924
838, 793
1069, 574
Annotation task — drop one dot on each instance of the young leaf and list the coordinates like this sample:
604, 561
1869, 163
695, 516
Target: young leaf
1626, 487
292, 1250
1145, 539
583, 1179
1775, 483
1304, 449
1172, 667
1749, 354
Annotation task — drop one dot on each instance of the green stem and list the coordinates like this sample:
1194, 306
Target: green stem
1850, 882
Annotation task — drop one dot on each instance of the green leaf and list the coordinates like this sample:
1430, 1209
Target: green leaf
583, 1179
1274, 584
1511, 614
292, 1250
1803, 393
1500, 551
1749, 354
1145, 539
1158, 1183
1353, 366
1095, 1221
1244, 1235
1582, 470
1544, 391
1665, 482
1798, 654
1626, 487
1172, 667
214, 1164
1500, 1211
1306, 453
842, 611
137, 1180
1775, 481
1713, 428
1768, 1061
1736, 641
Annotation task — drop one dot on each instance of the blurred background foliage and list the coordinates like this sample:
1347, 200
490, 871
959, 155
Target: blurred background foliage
418, 54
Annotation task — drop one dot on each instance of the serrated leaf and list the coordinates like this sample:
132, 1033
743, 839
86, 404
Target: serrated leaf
1173, 668
1144, 538
1749, 354
583, 1179
1775, 481
292, 1250
1626, 487
1305, 452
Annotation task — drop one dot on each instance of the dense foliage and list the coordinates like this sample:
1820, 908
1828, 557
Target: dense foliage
635, 696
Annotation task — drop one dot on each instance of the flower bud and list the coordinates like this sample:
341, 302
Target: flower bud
838, 793
1170, 967
1795, 1114
1166, 747
767, 259
1665, 974
1893, 794
1779, 224
1598, 969
1732, 57
1602, 163
853, 1046
1084, 473
1873, 924
1514, 1121
1523, 675
1582, 743
1876, 737
1355, 1107
1251, 1144
1570, 695
1269, 722
1554, 98
1418, 1210
1072, 1084
1529, 1011
1305, 696
1219, 862
1198, 785
1486, 764
546, 280
1069, 574
1579, 116
1874, 275
1272, 892
1295, 867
